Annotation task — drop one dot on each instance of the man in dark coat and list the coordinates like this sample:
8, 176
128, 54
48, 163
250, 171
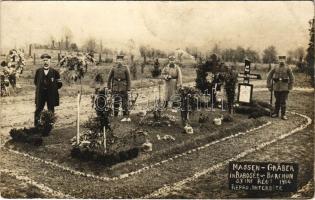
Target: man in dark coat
47, 81
119, 82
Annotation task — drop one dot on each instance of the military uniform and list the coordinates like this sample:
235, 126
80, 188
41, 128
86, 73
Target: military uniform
119, 82
47, 82
172, 77
281, 80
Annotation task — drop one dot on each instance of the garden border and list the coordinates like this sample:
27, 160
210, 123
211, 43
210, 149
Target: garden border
125, 175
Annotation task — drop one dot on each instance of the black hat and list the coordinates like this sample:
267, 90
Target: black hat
120, 57
45, 55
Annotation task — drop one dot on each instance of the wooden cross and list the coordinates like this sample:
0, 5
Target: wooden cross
245, 90
246, 75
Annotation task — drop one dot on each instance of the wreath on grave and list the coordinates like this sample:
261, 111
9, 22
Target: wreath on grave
189, 101
74, 67
17, 60
11, 70
34, 135
213, 65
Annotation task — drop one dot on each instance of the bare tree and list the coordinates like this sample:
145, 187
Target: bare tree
131, 46
299, 53
193, 51
52, 42
90, 45
67, 34
143, 53
216, 49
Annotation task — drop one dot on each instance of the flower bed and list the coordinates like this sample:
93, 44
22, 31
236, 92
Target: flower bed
168, 139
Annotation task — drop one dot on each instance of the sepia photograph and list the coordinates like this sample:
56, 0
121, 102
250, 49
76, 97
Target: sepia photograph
157, 99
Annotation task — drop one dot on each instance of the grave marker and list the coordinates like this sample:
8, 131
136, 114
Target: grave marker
245, 89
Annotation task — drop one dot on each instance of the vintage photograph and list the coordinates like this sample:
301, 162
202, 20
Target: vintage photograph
157, 99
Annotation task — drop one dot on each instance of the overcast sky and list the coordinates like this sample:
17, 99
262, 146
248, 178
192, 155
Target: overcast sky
167, 25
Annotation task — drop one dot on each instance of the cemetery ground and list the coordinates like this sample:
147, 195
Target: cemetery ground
192, 166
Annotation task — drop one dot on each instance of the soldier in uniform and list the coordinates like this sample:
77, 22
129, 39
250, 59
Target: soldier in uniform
280, 79
119, 83
173, 78
47, 81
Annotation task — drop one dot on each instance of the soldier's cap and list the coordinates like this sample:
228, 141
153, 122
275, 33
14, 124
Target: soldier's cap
45, 55
282, 58
172, 58
120, 57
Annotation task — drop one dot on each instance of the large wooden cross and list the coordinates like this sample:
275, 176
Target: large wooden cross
245, 89
246, 75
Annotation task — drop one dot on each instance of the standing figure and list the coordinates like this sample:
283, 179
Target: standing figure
280, 80
173, 78
156, 69
230, 82
119, 83
133, 67
47, 81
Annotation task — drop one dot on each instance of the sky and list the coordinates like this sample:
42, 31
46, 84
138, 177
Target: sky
165, 25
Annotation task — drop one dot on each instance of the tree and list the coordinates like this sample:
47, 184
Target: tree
143, 52
193, 51
252, 55
216, 49
290, 57
67, 34
122, 52
107, 52
269, 55
74, 47
310, 51
299, 54
160, 54
90, 45
240, 54
52, 42
295, 56
228, 55
131, 46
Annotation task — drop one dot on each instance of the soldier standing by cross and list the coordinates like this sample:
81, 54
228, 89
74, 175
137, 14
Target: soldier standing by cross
119, 82
280, 80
